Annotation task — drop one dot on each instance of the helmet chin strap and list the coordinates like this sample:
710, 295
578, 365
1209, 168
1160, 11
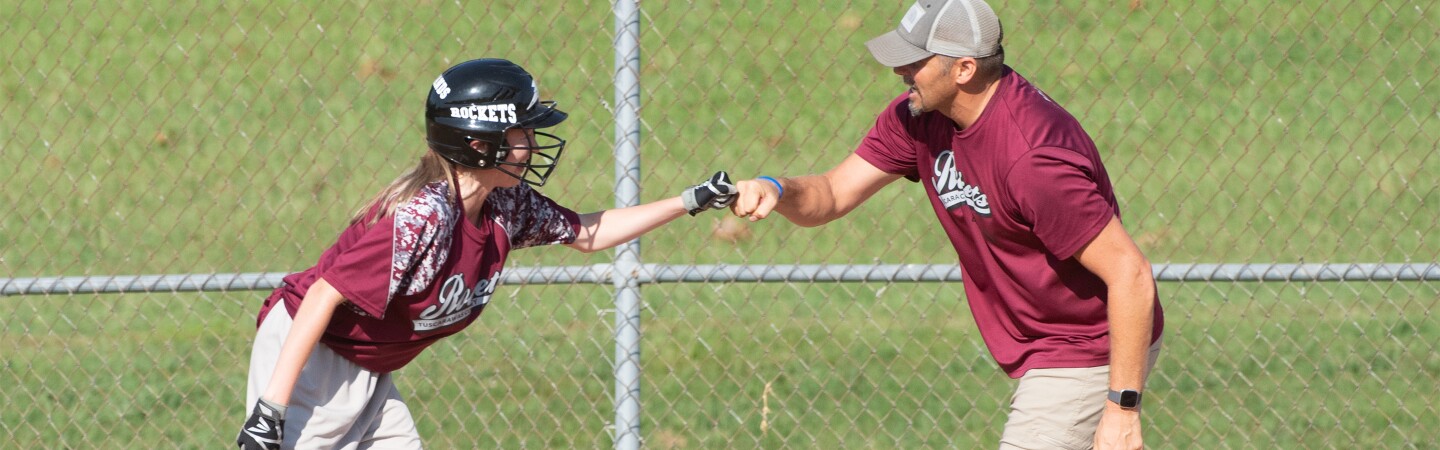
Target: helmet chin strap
459, 198
519, 176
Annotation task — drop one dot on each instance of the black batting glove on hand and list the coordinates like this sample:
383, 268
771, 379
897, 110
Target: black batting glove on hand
262, 430
713, 194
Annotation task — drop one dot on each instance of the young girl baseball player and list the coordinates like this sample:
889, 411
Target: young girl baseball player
421, 261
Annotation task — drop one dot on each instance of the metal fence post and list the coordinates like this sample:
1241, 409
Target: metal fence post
627, 256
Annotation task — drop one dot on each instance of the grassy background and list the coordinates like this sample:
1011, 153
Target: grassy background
205, 136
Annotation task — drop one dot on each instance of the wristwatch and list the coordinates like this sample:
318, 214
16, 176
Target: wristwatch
1128, 399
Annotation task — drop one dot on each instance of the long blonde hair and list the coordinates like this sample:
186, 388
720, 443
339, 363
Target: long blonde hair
430, 169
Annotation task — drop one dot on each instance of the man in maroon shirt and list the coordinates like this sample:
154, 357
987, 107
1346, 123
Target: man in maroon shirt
1063, 298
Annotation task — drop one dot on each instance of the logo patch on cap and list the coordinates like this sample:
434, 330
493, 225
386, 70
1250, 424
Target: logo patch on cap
912, 17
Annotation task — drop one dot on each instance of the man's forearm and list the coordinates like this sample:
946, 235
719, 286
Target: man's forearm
808, 201
1131, 313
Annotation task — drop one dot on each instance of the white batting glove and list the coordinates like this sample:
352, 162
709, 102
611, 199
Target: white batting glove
716, 193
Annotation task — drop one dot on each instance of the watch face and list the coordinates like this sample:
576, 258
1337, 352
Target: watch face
1129, 399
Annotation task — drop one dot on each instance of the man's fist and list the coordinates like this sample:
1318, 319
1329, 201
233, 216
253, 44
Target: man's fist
716, 193
263, 430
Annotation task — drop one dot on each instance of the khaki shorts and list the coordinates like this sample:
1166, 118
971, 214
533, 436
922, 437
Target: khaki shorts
1060, 408
336, 404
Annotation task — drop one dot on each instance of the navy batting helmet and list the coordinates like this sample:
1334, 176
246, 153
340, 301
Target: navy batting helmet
481, 99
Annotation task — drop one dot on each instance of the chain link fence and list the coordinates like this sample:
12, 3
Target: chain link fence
169, 161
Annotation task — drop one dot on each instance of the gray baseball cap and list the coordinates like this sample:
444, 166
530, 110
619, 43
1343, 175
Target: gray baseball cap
953, 28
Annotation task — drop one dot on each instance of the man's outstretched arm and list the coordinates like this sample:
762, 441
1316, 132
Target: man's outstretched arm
812, 200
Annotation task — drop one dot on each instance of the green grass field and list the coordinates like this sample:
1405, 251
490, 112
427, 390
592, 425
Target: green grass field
227, 137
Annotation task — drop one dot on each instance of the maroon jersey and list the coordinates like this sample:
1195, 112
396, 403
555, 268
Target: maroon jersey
424, 272
1018, 193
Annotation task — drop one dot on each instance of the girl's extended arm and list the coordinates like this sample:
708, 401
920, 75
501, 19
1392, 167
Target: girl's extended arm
609, 228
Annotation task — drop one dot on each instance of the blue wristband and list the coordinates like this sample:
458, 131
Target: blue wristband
777, 185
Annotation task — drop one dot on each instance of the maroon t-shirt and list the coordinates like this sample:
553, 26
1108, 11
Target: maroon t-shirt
1018, 193
424, 272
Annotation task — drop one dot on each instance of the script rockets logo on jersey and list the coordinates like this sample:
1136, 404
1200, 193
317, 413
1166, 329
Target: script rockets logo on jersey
950, 186
457, 302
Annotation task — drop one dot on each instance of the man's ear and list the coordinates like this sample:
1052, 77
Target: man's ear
964, 70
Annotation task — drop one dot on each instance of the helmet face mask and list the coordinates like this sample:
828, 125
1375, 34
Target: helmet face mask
481, 100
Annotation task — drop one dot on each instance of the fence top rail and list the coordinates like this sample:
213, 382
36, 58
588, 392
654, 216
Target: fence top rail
711, 273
